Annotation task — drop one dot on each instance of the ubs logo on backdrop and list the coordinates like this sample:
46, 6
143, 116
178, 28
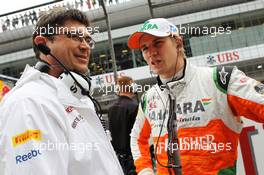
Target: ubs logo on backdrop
223, 57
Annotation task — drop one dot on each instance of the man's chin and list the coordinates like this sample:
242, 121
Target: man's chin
157, 71
81, 70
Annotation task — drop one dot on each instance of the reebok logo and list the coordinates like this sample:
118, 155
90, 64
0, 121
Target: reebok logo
25, 157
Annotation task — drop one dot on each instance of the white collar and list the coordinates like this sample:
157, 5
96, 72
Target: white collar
177, 76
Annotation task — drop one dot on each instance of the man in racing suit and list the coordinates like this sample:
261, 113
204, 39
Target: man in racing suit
204, 104
47, 127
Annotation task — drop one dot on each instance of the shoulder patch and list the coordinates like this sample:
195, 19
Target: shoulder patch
259, 88
221, 75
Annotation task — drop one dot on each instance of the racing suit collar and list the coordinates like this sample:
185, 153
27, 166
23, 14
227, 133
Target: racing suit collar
188, 72
57, 86
177, 76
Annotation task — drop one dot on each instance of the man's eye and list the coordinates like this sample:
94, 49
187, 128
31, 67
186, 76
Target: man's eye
157, 43
75, 36
87, 39
144, 49
69, 35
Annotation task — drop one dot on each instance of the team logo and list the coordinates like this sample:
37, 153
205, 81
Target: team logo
152, 103
244, 79
211, 60
69, 109
173, 30
223, 75
148, 26
184, 109
76, 121
259, 88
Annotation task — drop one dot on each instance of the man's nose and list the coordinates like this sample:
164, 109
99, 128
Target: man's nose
84, 45
85, 48
152, 51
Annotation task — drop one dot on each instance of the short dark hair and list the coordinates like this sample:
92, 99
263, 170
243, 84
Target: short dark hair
124, 83
57, 18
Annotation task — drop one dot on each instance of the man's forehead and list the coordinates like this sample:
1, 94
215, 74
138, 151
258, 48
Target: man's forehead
148, 38
75, 30
76, 27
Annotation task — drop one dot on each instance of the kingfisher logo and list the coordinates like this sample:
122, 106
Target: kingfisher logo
25, 137
25, 157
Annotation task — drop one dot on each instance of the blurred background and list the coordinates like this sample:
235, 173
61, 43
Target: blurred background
214, 31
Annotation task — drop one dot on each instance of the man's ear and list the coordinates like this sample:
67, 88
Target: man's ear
179, 42
40, 40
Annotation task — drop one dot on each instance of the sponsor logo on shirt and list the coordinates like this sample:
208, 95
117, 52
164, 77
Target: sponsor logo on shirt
152, 104
76, 121
182, 119
183, 110
25, 137
259, 88
223, 75
244, 79
69, 109
25, 157
193, 107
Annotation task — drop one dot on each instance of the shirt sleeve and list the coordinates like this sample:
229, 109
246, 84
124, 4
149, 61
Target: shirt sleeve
246, 96
31, 138
139, 143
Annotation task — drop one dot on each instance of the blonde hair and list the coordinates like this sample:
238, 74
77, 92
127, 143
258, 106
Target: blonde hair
179, 42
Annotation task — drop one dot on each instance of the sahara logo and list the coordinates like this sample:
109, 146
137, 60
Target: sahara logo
148, 26
183, 109
26, 136
193, 107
